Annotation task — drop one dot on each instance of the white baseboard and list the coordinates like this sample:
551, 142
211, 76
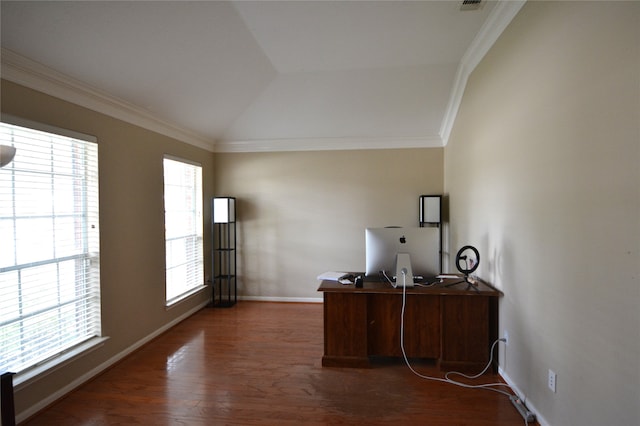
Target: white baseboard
25, 414
541, 420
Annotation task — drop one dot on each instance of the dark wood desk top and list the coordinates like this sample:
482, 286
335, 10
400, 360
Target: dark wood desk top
439, 288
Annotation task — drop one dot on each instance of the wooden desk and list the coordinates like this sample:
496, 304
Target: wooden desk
451, 325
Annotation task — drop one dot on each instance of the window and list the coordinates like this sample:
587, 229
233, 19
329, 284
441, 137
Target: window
49, 247
183, 229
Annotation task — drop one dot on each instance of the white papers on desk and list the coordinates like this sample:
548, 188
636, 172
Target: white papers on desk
332, 276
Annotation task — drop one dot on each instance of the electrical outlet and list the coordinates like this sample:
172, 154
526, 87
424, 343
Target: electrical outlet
552, 381
506, 338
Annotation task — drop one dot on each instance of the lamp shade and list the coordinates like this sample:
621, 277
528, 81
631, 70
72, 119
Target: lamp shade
224, 210
430, 209
6, 154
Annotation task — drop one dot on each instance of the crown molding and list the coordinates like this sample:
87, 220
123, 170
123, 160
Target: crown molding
499, 18
327, 144
26, 72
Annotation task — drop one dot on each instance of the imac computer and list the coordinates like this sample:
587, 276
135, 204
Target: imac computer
403, 253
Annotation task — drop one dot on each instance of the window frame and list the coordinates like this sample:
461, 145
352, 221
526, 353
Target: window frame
90, 251
199, 235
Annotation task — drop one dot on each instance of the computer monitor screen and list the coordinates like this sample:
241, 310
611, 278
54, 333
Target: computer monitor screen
422, 244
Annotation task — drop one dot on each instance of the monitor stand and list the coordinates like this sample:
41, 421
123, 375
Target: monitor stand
404, 274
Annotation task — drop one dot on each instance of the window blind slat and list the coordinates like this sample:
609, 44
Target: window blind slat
183, 228
49, 247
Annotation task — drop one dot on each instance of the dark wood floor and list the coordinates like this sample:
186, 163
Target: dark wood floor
260, 364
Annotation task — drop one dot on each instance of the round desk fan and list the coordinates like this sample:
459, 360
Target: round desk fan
467, 261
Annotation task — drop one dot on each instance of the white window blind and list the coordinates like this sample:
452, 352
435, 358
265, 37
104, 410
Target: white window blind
49, 247
183, 228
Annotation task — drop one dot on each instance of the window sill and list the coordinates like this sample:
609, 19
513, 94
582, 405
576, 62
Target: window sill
32, 375
196, 290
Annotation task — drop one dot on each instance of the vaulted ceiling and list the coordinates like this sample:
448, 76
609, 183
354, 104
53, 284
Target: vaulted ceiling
258, 76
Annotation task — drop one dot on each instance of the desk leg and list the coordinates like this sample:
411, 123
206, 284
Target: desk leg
345, 330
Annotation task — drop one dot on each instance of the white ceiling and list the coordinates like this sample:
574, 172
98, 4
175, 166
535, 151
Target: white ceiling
256, 75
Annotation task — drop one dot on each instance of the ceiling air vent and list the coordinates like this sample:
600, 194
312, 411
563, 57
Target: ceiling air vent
471, 4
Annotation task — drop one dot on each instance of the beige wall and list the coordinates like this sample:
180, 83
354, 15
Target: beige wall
131, 229
549, 136
303, 213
